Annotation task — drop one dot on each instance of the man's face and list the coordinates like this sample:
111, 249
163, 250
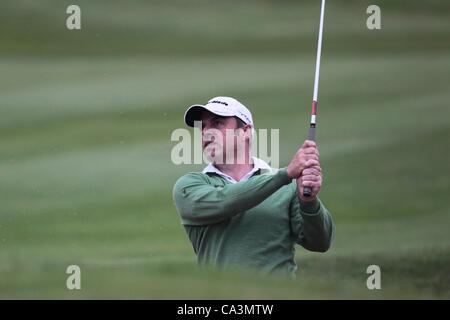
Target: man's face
216, 142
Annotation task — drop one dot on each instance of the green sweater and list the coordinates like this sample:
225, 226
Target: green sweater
253, 223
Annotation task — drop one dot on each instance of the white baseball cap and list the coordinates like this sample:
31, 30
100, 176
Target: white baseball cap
222, 106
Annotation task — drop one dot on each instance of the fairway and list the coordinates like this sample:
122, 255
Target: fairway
86, 119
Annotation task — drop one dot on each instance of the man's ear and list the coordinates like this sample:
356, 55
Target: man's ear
247, 130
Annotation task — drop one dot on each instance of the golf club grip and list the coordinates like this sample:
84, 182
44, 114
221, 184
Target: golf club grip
307, 191
312, 132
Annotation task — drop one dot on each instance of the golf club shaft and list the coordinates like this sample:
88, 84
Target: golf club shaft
307, 192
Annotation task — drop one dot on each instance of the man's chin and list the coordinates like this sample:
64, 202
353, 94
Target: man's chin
213, 157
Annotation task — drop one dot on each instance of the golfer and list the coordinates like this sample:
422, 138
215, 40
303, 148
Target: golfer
241, 212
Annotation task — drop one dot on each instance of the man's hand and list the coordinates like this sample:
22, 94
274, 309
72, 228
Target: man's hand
306, 157
310, 177
305, 167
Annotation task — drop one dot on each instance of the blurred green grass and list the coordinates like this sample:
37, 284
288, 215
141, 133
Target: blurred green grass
85, 171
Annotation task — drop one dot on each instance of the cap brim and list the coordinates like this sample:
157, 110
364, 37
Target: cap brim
193, 113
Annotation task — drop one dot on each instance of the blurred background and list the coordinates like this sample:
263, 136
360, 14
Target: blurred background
86, 117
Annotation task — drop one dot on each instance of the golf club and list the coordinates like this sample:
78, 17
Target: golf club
307, 192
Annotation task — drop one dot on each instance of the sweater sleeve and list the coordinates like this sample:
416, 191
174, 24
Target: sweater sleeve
200, 203
311, 224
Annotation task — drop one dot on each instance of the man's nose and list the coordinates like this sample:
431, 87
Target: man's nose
208, 135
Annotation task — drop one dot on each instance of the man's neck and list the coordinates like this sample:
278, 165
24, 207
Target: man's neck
236, 171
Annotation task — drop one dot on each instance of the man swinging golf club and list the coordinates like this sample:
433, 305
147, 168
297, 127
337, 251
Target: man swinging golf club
245, 213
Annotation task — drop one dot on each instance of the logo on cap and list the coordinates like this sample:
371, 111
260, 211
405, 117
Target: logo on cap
217, 101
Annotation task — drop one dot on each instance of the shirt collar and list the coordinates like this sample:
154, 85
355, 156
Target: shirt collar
257, 165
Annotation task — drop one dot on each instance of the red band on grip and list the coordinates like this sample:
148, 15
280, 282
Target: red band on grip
314, 108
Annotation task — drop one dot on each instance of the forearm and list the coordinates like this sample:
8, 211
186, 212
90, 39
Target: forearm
317, 227
199, 203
